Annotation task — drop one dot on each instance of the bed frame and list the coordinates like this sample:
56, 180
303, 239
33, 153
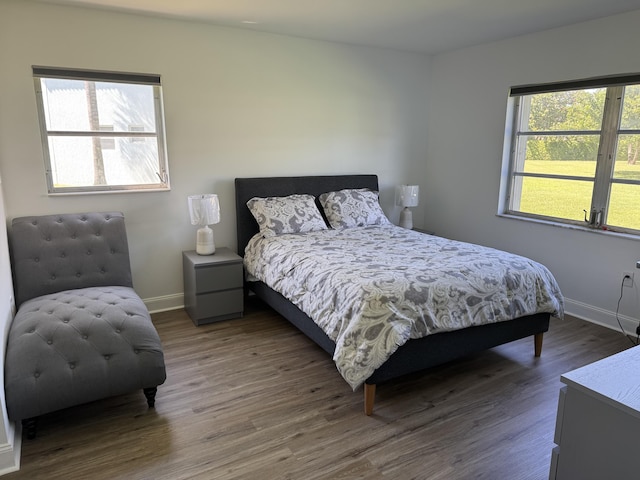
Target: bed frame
416, 354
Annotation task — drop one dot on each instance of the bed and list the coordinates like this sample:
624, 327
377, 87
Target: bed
412, 354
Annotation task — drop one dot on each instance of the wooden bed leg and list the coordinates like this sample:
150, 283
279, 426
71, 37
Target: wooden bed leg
537, 341
369, 397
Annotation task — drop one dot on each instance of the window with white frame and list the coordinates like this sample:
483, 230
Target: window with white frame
574, 153
101, 131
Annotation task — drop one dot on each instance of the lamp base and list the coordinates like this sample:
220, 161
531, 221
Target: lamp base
406, 218
204, 241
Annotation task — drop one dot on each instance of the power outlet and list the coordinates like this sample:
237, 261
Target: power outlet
627, 279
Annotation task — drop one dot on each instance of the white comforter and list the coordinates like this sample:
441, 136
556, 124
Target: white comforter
373, 288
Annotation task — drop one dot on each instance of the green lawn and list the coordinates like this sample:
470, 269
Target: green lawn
568, 198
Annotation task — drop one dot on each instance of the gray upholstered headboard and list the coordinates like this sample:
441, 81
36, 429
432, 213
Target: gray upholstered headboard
52, 253
247, 188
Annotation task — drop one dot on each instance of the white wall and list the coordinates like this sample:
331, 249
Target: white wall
10, 441
468, 98
242, 103
237, 103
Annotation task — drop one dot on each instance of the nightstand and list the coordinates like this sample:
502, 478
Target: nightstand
213, 286
422, 230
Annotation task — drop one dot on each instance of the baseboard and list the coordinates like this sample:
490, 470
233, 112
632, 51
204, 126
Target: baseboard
599, 316
164, 303
581, 310
10, 454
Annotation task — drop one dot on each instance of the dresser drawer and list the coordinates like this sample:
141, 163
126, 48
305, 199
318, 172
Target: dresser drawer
212, 278
555, 453
558, 432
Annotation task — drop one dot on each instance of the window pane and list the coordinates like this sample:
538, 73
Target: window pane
627, 165
554, 198
561, 154
104, 130
76, 105
569, 110
75, 163
631, 108
623, 206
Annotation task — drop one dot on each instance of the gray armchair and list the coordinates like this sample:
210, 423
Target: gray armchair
81, 333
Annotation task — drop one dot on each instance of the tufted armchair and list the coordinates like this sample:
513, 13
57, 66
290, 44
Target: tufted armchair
81, 333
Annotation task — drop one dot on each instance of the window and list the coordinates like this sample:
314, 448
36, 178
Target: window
574, 153
101, 131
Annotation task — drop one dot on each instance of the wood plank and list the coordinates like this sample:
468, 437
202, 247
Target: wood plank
253, 398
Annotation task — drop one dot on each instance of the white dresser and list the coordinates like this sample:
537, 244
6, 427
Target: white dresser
598, 423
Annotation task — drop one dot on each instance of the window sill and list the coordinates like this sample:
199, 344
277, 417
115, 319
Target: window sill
613, 233
108, 192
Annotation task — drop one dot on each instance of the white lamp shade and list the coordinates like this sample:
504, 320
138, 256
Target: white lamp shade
407, 195
204, 209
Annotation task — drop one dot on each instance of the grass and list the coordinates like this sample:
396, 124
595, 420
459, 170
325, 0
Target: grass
568, 198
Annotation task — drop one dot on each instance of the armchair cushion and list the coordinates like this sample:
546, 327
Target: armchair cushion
77, 346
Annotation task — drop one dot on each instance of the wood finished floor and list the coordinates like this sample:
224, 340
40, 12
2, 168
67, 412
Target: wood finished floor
252, 398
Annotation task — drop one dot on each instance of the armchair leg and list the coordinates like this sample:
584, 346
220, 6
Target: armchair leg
150, 394
30, 426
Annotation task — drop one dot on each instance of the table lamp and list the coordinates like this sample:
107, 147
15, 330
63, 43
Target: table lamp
407, 196
204, 210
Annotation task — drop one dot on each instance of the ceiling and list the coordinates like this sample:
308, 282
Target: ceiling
425, 26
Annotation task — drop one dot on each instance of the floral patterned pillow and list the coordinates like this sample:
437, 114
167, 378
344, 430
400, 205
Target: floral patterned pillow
292, 214
353, 208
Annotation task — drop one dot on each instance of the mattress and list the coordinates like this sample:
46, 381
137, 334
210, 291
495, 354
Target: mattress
373, 288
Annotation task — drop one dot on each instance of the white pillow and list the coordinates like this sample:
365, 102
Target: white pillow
353, 208
292, 214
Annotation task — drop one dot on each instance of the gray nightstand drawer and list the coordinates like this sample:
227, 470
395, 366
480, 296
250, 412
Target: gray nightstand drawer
225, 277
219, 304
